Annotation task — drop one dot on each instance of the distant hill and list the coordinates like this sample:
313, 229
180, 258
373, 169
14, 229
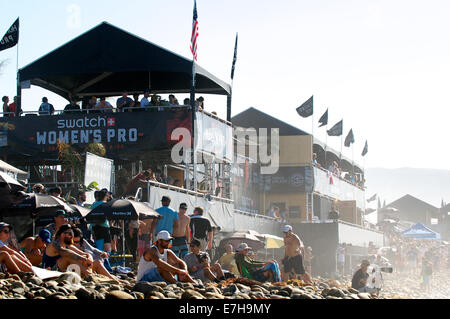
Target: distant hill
429, 185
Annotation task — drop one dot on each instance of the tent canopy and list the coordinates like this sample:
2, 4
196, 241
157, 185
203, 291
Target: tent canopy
9, 168
106, 60
419, 230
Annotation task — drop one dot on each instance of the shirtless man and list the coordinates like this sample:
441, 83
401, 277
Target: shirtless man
61, 253
34, 248
181, 233
293, 260
160, 263
144, 235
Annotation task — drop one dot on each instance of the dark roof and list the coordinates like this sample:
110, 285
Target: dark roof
257, 119
411, 203
106, 60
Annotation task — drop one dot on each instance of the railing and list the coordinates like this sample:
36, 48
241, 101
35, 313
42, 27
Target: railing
340, 188
342, 179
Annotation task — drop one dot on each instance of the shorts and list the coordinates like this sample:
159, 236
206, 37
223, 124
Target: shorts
180, 247
294, 264
102, 233
152, 275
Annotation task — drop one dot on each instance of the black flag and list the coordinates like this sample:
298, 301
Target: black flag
324, 119
234, 57
366, 148
372, 198
11, 37
306, 109
336, 130
349, 139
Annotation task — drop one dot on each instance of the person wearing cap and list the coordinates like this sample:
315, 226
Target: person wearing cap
293, 258
359, 279
33, 248
145, 101
181, 231
161, 264
256, 270
59, 219
198, 263
169, 217
19, 259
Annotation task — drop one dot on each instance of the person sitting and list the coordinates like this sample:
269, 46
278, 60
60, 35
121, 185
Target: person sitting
61, 253
10, 255
124, 102
90, 106
145, 101
56, 192
46, 108
72, 107
198, 263
359, 279
60, 219
103, 105
33, 248
161, 264
256, 270
97, 255
155, 100
187, 102
227, 260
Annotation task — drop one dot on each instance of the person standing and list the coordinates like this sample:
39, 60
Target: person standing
5, 101
145, 101
124, 102
201, 229
293, 259
46, 108
181, 233
169, 217
341, 260
13, 108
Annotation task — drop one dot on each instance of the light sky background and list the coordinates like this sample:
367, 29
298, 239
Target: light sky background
382, 66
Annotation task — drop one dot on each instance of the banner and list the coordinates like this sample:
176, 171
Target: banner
288, 180
11, 37
121, 134
100, 170
306, 109
324, 119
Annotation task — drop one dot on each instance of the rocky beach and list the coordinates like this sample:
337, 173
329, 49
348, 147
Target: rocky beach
71, 286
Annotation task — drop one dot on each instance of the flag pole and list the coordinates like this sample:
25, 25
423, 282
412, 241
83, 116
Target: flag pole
18, 87
194, 149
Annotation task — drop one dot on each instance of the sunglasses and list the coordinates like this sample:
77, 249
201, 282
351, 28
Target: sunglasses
5, 231
77, 241
68, 233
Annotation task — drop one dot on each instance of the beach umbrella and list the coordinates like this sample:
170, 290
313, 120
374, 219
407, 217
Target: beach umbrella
239, 237
79, 211
13, 184
122, 209
272, 241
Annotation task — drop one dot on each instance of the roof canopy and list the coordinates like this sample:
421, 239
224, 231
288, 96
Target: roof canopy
419, 230
107, 60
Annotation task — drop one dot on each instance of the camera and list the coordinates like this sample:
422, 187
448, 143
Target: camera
387, 269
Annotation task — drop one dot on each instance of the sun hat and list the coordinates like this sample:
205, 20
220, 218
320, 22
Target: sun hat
163, 235
287, 228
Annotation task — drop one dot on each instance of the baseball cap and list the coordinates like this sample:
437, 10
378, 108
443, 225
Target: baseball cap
45, 235
163, 235
287, 228
59, 212
3, 225
242, 246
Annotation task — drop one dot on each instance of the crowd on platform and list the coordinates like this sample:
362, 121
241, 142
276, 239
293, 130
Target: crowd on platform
100, 105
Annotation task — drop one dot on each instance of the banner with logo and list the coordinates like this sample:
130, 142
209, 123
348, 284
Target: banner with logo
288, 180
121, 134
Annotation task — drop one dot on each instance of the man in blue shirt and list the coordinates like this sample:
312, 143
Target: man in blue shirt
169, 217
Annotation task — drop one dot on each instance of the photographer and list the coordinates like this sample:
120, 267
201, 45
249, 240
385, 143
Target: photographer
198, 263
359, 279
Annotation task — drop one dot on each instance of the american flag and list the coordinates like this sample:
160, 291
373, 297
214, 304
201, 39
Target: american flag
194, 32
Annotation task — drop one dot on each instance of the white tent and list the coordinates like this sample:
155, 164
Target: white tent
19, 174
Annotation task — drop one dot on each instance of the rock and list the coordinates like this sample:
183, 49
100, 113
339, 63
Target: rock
138, 295
161, 284
18, 291
364, 295
191, 294
56, 295
19, 284
84, 293
157, 294
35, 281
301, 296
336, 293
51, 284
353, 291
233, 289
283, 293
118, 294
354, 296
71, 278
146, 288
171, 295
43, 293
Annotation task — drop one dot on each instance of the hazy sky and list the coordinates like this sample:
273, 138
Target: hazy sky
382, 66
